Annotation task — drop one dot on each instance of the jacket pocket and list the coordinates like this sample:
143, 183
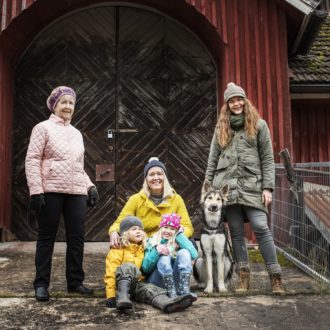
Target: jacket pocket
223, 163
252, 179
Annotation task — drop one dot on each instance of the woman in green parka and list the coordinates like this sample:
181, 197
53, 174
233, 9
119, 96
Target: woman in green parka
241, 155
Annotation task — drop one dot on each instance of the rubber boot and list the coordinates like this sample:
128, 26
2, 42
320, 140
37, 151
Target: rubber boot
122, 295
171, 305
276, 282
169, 285
244, 280
184, 285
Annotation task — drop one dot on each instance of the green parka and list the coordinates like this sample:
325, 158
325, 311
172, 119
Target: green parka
246, 165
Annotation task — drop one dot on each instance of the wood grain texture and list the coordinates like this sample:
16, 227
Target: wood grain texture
154, 86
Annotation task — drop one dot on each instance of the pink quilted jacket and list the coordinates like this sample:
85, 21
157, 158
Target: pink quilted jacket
55, 159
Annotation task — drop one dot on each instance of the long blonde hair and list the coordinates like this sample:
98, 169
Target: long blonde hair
252, 117
156, 239
167, 191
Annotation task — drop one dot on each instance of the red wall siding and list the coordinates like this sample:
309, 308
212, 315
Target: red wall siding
255, 56
310, 129
6, 106
247, 39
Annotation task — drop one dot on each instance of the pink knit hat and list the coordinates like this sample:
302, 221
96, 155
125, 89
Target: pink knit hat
171, 220
56, 94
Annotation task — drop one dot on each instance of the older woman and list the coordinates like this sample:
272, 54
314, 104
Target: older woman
58, 185
156, 198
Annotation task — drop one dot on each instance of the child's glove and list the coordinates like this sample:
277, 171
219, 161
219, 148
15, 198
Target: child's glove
111, 302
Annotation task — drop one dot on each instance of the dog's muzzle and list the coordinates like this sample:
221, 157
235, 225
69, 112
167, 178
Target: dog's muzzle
213, 208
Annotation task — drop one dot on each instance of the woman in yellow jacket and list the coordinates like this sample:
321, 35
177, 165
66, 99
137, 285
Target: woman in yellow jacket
156, 198
123, 278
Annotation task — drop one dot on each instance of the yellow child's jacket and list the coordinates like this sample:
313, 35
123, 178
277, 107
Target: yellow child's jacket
133, 253
150, 214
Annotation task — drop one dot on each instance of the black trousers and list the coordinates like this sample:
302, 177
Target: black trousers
73, 208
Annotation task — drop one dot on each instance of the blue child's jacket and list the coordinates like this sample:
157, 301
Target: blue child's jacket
151, 255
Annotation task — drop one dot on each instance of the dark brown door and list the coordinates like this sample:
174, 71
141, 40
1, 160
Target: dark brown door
145, 86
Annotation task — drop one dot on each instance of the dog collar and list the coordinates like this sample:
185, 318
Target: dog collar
209, 230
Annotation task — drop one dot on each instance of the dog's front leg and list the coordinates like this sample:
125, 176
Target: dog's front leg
219, 248
207, 244
209, 272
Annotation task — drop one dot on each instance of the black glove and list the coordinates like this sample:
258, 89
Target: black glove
111, 303
93, 196
36, 203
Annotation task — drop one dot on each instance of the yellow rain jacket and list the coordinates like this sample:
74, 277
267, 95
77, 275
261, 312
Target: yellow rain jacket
133, 253
150, 214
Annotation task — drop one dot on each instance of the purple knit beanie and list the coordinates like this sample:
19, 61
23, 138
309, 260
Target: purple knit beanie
56, 94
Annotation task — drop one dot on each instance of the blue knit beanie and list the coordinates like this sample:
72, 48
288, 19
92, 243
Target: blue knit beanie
154, 162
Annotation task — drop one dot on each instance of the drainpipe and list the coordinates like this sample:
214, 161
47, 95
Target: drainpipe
308, 30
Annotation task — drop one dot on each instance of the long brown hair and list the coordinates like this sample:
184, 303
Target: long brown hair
250, 123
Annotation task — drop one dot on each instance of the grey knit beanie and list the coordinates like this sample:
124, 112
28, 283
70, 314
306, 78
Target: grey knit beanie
129, 222
233, 90
154, 162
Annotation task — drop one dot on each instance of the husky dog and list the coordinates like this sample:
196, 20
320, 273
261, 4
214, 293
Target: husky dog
215, 267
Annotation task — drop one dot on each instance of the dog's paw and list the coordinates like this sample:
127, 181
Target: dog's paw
222, 288
201, 285
208, 290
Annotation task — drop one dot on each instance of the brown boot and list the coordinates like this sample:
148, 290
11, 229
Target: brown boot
244, 280
277, 285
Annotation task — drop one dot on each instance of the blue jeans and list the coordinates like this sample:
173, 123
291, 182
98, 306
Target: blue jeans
235, 215
169, 266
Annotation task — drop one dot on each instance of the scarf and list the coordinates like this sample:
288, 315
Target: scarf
237, 121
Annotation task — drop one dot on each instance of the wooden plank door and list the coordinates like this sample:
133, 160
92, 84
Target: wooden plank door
167, 104
139, 75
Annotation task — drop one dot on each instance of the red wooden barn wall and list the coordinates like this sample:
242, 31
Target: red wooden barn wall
247, 39
310, 130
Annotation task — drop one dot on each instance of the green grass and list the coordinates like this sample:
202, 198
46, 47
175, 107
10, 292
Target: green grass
255, 257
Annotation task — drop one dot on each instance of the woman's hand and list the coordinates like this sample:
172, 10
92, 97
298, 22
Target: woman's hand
93, 196
114, 240
162, 249
266, 197
36, 203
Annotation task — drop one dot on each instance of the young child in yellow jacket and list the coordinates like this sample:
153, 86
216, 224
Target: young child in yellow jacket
124, 279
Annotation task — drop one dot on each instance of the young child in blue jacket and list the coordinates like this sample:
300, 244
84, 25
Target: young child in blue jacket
168, 257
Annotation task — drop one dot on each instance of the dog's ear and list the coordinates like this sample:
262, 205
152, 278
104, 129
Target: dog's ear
224, 192
205, 189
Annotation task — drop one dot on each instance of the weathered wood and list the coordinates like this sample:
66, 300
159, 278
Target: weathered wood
156, 92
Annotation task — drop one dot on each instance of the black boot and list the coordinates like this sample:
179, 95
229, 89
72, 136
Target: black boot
171, 305
122, 295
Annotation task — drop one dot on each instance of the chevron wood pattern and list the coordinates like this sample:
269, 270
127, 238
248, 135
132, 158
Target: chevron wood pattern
146, 78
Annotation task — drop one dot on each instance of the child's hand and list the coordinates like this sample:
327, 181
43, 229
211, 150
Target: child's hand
162, 249
181, 229
111, 302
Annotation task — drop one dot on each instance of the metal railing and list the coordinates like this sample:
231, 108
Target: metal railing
300, 219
